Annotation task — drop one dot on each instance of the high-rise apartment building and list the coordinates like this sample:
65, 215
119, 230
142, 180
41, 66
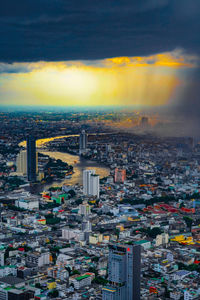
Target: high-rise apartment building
144, 122
86, 225
90, 183
82, 142
84, 209
86, 181
94, 185
31, 159
120, 175
124, 265
21, 162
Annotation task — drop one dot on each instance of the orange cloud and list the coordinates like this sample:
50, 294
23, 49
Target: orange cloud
140, 81
172, 60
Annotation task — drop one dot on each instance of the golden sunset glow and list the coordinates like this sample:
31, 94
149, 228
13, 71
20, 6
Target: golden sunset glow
139, 81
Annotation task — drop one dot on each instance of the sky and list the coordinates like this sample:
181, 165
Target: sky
108, 52
133, 81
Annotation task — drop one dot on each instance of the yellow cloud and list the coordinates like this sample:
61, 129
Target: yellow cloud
175, 59
137, 81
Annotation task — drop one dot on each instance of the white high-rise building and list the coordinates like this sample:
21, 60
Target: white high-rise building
2, 255
86, 181
84, 209
69, 234
90, 183
94, 185
21, 162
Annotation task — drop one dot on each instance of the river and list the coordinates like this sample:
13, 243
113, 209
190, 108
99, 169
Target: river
79, 164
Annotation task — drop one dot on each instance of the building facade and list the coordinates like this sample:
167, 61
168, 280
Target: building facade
120, 175
124, 265
94, 185
90, 183
84, 209
82, 142
38, 259
21, 162
31, 159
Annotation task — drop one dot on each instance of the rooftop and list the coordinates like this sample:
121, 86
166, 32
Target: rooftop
12, 280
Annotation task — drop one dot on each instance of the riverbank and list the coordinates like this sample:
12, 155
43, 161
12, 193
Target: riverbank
79, 164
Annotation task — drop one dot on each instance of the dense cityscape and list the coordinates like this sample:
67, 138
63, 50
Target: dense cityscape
93, 212
100, 150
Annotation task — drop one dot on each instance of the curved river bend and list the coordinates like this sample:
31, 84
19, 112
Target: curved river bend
79, 164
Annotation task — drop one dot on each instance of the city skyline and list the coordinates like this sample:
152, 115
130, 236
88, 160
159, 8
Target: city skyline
130, 232
100, 149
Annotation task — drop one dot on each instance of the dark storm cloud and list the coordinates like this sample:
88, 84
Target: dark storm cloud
32, 30
14, 68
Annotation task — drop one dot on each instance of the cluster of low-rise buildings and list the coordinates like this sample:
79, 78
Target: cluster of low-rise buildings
132, 235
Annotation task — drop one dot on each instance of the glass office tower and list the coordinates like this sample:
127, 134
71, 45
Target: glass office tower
124, 267
31, 159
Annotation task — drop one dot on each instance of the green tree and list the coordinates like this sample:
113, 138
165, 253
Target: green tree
117, 232
95, 259
72, 193
100, 280
79, 201
188, 222
154, 232
69, 270
53, 294
93, 270
75, 272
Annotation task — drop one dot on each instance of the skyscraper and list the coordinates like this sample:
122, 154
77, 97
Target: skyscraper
94, 185
144, 123
31, 159
90, 183
21, 162
124, 265
120, 175
86, 181
82, 142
